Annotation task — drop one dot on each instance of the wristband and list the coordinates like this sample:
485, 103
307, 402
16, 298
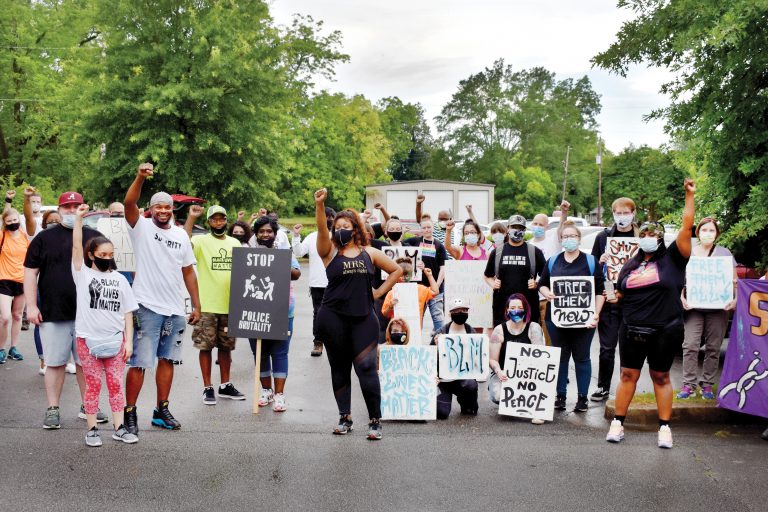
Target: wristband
8, 200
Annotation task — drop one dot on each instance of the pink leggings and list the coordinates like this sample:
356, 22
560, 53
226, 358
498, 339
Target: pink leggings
92, 368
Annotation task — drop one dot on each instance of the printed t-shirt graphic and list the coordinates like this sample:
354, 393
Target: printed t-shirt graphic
103, 299
645, 275
214, 269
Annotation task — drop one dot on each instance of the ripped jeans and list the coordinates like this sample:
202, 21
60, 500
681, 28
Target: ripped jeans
156, 337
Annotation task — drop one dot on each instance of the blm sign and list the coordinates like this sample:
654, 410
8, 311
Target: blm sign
259, 293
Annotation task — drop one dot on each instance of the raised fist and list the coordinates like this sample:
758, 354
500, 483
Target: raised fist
146, 170
195, 211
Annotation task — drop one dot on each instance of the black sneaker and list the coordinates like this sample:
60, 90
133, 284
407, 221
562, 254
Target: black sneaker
374, 430
581, 404
231, 392
560, 403
209, 398
344, 426
163, 418
599, 395
130, 421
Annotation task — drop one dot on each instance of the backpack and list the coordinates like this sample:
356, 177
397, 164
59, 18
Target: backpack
590, 262
531, 258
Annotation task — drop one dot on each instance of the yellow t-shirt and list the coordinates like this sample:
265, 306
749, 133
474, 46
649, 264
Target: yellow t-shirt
214, 269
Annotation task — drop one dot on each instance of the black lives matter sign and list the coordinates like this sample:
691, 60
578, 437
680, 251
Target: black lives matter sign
259, 293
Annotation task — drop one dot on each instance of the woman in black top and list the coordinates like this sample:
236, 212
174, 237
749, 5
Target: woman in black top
346, 319
649, 288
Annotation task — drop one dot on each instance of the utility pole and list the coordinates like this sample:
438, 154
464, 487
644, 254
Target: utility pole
565, 165
599, 182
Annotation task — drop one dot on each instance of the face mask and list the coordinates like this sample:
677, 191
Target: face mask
516, 235
705, 238
539, 231
398, 338
51, 225
648, 244
394, 235
103, 264
498, 238
240, 238
266, 242
116, 215
623, 220
570, 244
219, 231
342, 236
459, 318
516, 315
68, 220
13, 227
471, 239
442, 223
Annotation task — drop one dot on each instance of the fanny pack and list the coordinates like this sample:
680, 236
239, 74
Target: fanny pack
104, 348
641, 334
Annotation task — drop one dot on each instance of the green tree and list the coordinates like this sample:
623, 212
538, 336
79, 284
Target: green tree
526, 191
410, 138
718, 52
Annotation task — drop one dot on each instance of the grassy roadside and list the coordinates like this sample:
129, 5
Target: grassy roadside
650, 398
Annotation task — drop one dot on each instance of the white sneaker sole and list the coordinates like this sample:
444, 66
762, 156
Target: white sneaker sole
126, 441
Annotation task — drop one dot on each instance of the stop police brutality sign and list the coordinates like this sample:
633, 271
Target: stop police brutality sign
259, 293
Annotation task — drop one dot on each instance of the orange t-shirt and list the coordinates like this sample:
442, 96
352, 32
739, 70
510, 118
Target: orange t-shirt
425, 294
12, 256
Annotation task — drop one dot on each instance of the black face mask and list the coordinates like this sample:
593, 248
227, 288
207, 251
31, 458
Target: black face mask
394, 235
268, 242
398, 338
342, 236
116, 215
13, 227
240, 238
103, 264
219, 231
517, 235
459, 318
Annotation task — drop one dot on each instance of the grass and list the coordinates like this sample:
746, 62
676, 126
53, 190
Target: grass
650, 399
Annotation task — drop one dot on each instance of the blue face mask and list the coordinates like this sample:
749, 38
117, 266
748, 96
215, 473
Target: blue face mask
68, 220
570, 244
649, 243
516, 315
471, 239
538, 231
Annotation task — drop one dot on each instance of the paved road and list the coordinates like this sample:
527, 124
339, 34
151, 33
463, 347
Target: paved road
225, 458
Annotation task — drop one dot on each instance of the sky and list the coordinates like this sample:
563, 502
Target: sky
419, 50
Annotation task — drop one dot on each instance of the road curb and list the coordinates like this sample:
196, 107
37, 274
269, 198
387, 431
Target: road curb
646, 416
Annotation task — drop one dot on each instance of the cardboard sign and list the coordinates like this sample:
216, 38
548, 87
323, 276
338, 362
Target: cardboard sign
259, 293
466, 279
531, 387
619, 251
463, 356
407, 308
574, 302
709, 282
116, 229
408, 374
412, 253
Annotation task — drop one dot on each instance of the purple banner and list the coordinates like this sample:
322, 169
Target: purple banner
744, 382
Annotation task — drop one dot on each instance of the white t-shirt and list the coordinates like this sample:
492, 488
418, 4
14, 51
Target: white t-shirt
550, 246
103, 299
160, 256
281, 240
317, 276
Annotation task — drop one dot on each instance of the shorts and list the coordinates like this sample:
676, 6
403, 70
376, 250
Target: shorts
157, 337
11, 288
59, 342
660, 349
211, 332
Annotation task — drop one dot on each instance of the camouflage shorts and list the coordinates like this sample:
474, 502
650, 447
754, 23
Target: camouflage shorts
211, 332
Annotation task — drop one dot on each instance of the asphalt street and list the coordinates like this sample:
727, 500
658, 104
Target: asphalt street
225, 458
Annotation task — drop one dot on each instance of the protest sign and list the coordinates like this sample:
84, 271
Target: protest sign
466, 279
412, 253
530, 390
259, 292
744, 381
407, 374
407, 308
463, 356
116, 229
619, 250
574, 302
709, 282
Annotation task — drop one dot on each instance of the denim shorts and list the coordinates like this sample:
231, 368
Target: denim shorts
157, 337
59, 342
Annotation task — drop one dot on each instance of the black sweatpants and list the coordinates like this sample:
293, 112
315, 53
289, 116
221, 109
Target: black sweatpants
352, 341
466, 393
317, 299
608, 331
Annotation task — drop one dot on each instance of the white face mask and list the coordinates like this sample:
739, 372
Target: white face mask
623, 221
498, 238
471, 239
649, 243
707, 238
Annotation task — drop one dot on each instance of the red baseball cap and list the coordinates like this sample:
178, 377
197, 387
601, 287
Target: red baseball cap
70, 198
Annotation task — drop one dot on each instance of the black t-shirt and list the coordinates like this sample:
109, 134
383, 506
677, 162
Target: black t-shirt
51, 252
652, 291
432, 254
514, 273
578, 267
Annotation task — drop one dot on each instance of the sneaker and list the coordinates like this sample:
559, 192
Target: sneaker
92, 438
231, 392
764, 435
24, 323
707, 393
100, 416
279, 405
686, 392
560, 403
209, 397
374, 430
615, 432
71, 368
344, 426
537, 421
3, 356
581, 404
131, 420
317, 351
121, 434
52, 419
15, 354
41, 371
266, 397
599, 395
665, 437
163, 418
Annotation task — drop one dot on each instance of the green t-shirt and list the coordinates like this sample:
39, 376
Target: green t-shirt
214, 269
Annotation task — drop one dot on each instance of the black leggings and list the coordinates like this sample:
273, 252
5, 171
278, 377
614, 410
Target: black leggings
466, 393
352, 340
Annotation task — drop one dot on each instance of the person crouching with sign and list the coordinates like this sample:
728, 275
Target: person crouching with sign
346, 320
649, 288
574, 340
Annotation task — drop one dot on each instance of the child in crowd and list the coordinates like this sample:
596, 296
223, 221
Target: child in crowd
425, 294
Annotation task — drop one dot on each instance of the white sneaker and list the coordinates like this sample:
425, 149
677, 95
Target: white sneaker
279, 403
266, 397
665, 437
537, 421
71, 368
615, 432
41, 371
